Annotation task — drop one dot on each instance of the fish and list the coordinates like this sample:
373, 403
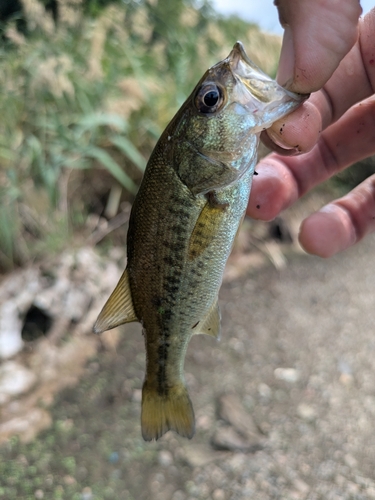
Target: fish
182, 225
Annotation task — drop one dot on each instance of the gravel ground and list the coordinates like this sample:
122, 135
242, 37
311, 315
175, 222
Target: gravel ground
285, 402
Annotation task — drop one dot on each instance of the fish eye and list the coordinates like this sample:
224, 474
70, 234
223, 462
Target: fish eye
209, 98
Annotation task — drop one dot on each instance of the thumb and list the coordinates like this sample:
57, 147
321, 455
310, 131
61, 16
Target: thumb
317, 36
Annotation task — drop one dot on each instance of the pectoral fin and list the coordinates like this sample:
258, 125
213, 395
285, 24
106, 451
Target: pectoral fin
211, 324
118, 309
206, 228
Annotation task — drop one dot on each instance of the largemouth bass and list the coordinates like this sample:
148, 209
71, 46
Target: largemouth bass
183, 223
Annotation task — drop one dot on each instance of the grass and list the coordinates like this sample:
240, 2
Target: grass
84, 102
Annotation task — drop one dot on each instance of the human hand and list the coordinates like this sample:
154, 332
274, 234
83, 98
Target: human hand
335, 127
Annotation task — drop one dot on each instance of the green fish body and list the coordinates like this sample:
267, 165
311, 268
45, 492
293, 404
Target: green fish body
183, 223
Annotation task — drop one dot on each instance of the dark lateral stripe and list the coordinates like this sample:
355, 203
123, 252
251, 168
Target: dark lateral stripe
163, 388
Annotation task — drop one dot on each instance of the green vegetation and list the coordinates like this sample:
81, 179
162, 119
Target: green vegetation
83, 102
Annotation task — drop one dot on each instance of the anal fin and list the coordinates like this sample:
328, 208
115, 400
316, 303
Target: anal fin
211, 323
119, 307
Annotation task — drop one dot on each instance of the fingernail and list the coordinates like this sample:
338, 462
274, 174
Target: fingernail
275, 137
285, 72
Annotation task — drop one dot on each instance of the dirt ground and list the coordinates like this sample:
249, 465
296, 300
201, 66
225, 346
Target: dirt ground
284, 403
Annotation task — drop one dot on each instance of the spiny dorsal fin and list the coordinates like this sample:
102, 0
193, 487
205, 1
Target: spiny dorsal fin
211, 324
118, 309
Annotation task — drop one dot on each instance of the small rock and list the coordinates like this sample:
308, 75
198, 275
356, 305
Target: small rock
232, 411
236, 462
290, 375
15, 379
87, 494
218, 494
69, 480
301, 486
350, 461
10, 330
76, 303
165, 458
306, 412
346, 379
26, 426
203, 422
197, 455
226, 438
137, 395
39, 494
352, 488
264, 391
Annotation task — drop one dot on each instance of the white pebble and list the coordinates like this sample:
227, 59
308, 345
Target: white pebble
165, 458
15, 379
287, 374
218, 494
264, 391
10, 330
306, 412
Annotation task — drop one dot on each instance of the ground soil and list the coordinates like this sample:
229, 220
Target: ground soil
296, 360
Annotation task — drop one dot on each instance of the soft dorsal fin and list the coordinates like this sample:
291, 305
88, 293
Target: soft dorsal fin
211, 323
118, 309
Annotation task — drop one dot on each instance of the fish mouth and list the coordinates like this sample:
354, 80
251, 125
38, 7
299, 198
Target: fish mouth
260, 85
257, 92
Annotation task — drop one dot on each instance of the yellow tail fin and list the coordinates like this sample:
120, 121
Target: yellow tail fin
161, 413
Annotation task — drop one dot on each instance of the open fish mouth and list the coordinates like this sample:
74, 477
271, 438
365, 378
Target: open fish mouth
259, 93
260, 85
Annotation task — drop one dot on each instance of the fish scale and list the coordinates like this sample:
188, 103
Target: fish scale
182, 226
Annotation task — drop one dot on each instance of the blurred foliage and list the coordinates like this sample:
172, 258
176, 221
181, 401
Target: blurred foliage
86, 92
354, 175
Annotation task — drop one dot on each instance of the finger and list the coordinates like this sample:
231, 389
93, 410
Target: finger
352, 82
282, 180
341, 223
298, 132
317, 36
